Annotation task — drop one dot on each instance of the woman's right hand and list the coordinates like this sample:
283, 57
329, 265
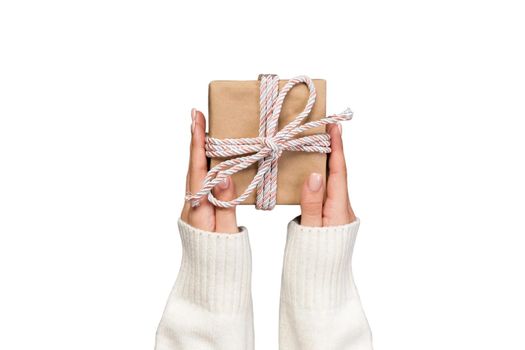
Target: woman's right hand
206, 216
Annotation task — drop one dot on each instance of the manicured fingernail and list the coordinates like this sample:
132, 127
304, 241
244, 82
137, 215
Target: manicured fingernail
225, 183
340, 128
315, 181
193, 115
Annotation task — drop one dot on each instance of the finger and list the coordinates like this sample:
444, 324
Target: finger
198, 163
186, 207
312, 201
337, 209
225, 218
337, 176
202, 216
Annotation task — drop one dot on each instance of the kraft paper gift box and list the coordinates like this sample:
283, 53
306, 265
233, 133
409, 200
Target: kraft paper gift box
234, 112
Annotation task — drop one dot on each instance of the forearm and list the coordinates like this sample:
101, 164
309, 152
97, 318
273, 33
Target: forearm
320, 307
210, 306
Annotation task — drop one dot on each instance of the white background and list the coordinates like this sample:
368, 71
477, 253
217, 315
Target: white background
95, 100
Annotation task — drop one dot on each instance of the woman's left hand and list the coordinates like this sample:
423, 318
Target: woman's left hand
335, 209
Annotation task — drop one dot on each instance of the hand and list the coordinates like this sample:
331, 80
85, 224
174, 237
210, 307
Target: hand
206, 216
336, 209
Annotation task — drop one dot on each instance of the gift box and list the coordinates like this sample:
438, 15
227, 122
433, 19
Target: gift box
234, 113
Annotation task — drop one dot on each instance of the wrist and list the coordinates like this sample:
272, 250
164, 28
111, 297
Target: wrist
215, 272
317, 265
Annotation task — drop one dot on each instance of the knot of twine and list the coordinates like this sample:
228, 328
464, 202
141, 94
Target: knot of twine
268, 147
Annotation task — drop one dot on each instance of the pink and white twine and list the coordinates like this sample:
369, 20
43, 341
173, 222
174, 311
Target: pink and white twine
265, 149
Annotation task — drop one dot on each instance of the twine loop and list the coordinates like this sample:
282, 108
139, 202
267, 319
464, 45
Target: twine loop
267, 148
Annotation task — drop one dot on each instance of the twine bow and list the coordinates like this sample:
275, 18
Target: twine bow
268, 147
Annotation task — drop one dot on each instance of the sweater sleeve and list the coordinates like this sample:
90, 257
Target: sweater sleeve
210, 306
320, 306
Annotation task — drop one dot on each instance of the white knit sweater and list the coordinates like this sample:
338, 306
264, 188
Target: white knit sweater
210, 306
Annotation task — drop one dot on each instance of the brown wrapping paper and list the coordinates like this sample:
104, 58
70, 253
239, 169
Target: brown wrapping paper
234, 112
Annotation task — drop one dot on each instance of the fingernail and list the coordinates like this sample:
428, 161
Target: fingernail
193, 115
315, 181
340, 128
225, 183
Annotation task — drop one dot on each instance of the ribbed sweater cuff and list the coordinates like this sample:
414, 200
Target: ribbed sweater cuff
317, 270
215, 272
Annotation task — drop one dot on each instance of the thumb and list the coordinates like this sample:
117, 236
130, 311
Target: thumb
225, 218
312, 201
